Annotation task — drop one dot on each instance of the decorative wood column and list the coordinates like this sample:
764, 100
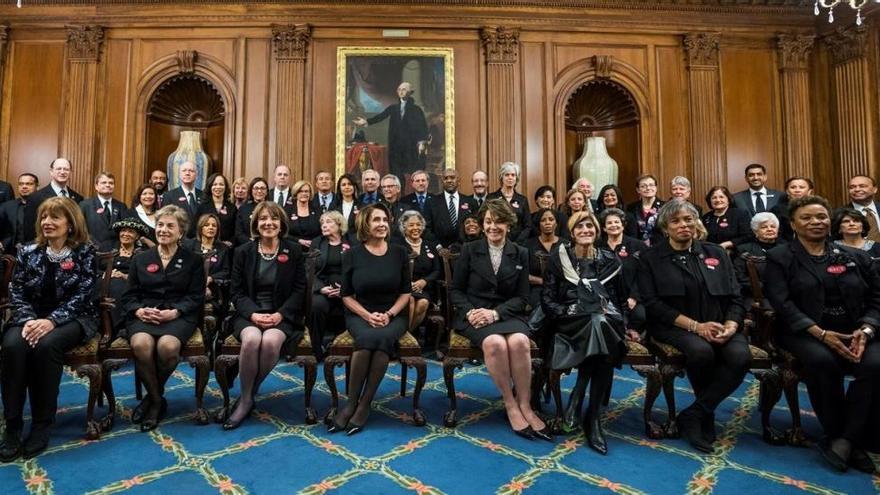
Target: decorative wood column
79, 129
797, 137
290, 45
706, 126
4, 37
853, 133
501, 46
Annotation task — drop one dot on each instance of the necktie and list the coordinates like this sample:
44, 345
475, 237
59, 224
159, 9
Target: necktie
759, 203
402, 109
323, 202
108, 214
453, 212
280, 198
64, 193
421, 202
479, 201
871, 216
191, 203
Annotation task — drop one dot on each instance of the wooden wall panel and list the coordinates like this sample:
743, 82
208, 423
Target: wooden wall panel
634, 55
152, 50
534, 95
113, 115
749, 81
255, 108
672, 113
34, 107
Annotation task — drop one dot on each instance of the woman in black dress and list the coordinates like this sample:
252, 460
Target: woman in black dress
765, 228
326, 297
509, 176
849, 227
490, 291
540, 245
268, 291
217, 202
426, 268
130, 232
163, 301
51, 312
827, 301
643, 212
545, 198
613, 224
583, 298
469, 230
346, 199
726, 225
376, 288
694, 304
258, 190
304, 220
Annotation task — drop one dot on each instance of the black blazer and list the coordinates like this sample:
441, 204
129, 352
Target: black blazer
306, 227
634, 212
180, 286
426, 265
6, 192
243, 223
412, 202
796, 290
437, 217
520, 206
662, 283
558, 293
474, 285
290, 281
316, 202
356, 206
221, 259
734, 226
10, 226
99, 226
178, 198
743, 200
322, 245
33, 204
227, 214
628, 254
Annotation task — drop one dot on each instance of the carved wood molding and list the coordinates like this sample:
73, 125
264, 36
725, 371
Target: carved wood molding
846, 44
84, 42
794, 51
4, 37
291, 42
186, 61
702, 49
501, 44
604, 65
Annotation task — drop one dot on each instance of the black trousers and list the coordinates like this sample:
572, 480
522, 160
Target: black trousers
715, 371
36, 371
842, 413
324, 310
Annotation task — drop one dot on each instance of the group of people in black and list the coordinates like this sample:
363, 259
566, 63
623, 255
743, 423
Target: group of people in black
580, 278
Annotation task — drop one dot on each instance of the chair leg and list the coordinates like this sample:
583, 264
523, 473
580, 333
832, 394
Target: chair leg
222, 365
668, 373
652, 390
310, 371
770, 392
347, 375
108, 366
418, 363
93, 373
795, 436
449, 365
202, 367
403, 379
331, 362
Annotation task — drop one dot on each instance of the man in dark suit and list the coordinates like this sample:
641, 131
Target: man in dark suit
59, 171
862, 190
447, 208
6, 192
420, 198
391, 198
280, 194
324, 196
12, 213
757, 197
102, 211
407, 132
370, 186
159, 181
480, 185
187, 196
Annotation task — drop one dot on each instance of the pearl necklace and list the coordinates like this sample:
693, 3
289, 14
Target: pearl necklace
269, 257
166, 257
56, 257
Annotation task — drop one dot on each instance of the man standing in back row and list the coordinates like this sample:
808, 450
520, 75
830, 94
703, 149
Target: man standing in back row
757, 198
59, 171
187, 196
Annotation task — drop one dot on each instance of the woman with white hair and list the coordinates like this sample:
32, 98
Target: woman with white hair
425, 265
765, 227
509, 178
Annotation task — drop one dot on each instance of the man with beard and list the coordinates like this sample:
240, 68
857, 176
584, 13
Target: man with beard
159, 181
12, 214
757, 197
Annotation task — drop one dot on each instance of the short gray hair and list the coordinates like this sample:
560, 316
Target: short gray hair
509, 167
680, 180
393, 177
670, 209
406, 217
337, 218
178, 214
760, 218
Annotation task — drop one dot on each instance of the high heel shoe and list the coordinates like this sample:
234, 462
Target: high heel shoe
137, 414
544, 434
148, 423
333, 427
231, 424
526, 432
354, 429
596, 436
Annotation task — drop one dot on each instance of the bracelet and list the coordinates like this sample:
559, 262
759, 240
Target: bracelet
822, 338
692, 327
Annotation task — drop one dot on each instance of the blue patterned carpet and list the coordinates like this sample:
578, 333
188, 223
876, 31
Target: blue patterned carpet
274, 452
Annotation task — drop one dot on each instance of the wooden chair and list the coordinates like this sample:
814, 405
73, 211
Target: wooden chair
461, 350
787, 371
301, 353
410, 356
115, 351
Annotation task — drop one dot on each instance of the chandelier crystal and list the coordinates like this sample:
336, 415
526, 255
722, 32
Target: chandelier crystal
856, 5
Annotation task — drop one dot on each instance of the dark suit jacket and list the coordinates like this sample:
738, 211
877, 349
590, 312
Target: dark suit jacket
34, 202
99, 226
178, 198
288, 205
796, 290
290, 281
404, 135
221, 259
243, 223
322, 245
633, 213
662, 284
6, 192
180, 286
743, 200
227, 214
316, 202
733, 226
304, 227
438, 219
9, 224
362, 197
412, 202
474, 285
520, 206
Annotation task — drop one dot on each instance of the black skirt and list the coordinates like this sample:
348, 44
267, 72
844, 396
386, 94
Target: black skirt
293, 332
505, 327
179, 328
377, 339
579, 337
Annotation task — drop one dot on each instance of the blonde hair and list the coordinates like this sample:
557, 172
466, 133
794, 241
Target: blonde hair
299, 185
337, 218
77, 232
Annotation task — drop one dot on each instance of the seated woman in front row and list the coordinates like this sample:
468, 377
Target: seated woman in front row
268, 291
165, 295
694, 304
490, 289
426, 267
827, 301
376, 288
52, 312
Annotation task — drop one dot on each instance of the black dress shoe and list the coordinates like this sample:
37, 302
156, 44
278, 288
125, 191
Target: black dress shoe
834, 458
148, 423
36, 442
137, 415
231, 425
596, 435
10, 449
859, 460
689, 425
544, 434
526, 432
354, 429
707, 425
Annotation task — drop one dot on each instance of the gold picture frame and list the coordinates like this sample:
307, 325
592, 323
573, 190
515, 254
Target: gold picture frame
367, 81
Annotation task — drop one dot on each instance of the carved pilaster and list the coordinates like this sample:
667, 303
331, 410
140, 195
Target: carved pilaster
501, 48
854, 136
707, 129
4, 38
794, 62
80, 102
290, 45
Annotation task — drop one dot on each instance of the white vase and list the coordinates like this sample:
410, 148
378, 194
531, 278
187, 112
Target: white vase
595, 164
189, 149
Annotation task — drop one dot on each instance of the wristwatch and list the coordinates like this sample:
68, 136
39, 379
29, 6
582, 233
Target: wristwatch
868, 331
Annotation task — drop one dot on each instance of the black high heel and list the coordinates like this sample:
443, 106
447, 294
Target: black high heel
231, 425
544, 433
148, 423
137, 414
526, 432
354, 429
596, 436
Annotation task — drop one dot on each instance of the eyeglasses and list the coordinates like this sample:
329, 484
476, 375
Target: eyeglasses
259, 188
392, 186
647, 186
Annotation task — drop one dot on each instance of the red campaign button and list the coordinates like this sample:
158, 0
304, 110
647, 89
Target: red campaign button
67, 265
836, 269
181, 199
723, 225
282, 258
712, 262
464, 206
213, 259
623, 253
152, 268
99, 211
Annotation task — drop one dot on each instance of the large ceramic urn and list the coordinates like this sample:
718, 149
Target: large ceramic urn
189, 149
595, 164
